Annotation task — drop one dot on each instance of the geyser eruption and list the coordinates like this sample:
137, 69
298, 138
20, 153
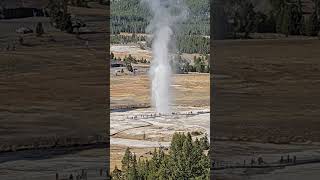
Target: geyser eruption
166, 15
161, 71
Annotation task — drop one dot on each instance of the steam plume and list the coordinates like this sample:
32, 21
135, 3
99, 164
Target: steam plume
166, 15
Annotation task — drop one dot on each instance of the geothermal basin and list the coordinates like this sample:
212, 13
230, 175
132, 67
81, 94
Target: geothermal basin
145, 128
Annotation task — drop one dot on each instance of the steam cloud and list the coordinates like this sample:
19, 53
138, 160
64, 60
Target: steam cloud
167, 14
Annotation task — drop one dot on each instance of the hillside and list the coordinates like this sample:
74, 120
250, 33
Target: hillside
265, 5
133, 16
239, 19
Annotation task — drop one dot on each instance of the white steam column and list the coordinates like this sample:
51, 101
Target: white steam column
160, 72
166, 14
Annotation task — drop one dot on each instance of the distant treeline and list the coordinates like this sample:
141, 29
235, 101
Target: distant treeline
193, 44
200, 65
21, 13
288, 17
124, 39
128, 61
130, 16
185, 160
179, 65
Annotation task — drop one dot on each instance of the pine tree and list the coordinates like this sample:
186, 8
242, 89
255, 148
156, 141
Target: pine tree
132, 172
39, 29
311, 25
142, 169
248, 16
164, 172
187, 149
116, 174
185, 160
111, 55
196, 155
59, 16
204, 142
126, 160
